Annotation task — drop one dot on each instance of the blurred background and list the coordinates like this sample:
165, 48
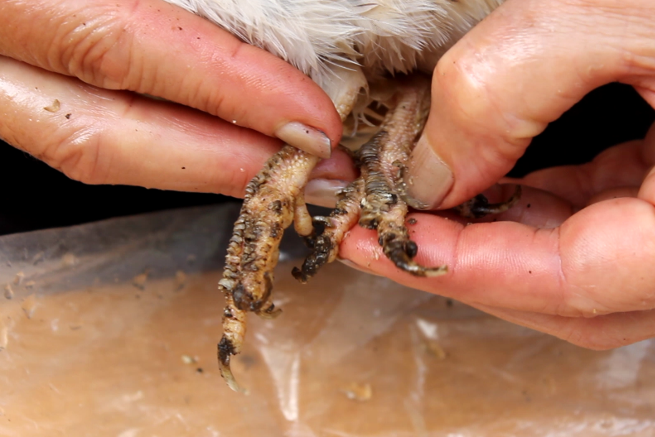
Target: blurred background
35, 196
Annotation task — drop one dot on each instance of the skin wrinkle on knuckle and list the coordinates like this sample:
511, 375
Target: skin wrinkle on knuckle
103, 51
564, 285
77, 155
95, 51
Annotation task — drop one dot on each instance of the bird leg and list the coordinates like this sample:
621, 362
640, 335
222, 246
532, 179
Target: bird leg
268, 209
272, 199
385, 203
380, 192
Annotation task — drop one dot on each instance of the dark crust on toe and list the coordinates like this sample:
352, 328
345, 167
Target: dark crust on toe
321, 246
325, 243
225, 351
479, 206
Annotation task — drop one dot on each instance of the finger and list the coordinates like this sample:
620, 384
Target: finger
537, 208
598, 333
515, 72
625, 165
154, 48
598, 261
647, 190
115, 137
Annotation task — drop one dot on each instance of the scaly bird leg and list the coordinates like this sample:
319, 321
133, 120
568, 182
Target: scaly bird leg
380, 191
247, 282
269, 206
384, 206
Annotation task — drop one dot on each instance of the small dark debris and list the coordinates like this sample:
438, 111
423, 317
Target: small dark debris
528, 205
449, 302
68, 116
183, 168
412, 221
199, 370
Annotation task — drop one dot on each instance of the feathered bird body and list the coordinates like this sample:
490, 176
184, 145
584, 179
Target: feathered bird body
378, 35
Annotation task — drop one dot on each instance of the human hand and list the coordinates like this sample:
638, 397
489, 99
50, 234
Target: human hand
71, 75
575, 260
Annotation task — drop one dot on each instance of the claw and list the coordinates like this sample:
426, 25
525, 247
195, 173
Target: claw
402, 251
225, 352
479, 206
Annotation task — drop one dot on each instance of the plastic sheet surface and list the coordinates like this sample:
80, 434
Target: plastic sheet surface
110, 329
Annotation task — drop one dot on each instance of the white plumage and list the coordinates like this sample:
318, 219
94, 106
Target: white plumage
379, 35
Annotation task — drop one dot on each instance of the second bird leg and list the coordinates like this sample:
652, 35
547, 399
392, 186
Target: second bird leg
380, 192
385, 204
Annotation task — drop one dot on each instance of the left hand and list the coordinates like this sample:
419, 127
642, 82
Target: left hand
72, 78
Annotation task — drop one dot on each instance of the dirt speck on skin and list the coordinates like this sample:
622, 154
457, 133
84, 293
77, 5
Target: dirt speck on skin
188, 359
54, 107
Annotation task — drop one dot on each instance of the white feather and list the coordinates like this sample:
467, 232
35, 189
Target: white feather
379, 35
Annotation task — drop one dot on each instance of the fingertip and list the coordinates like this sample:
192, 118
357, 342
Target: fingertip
429, 179
306, 138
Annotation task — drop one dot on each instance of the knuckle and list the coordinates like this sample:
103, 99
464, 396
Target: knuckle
78, 157
100, 50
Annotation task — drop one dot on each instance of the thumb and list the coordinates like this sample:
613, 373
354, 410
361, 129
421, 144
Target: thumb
514, 73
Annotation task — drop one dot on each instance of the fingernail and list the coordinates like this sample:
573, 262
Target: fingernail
352, 265
323, 192
429, 179
305, 138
